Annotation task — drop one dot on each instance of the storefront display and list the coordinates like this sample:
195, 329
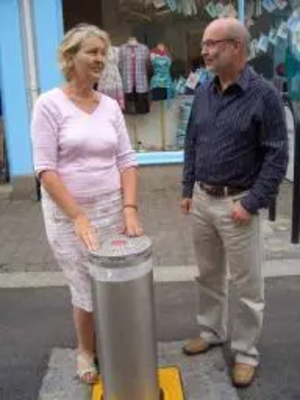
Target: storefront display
293, 55
154, 125
183, 119
158, 65
160, 61
134, 67
110, 82
161, 82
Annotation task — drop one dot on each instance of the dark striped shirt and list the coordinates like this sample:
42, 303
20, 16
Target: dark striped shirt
238, 138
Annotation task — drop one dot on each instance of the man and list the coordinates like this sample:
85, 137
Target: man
235, 159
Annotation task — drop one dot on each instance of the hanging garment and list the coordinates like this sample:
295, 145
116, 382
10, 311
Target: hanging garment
173, 5
292, 62
137, 103
183, 118
159, 94
110, 82
134, 63
161, 78
185, 7
293, 26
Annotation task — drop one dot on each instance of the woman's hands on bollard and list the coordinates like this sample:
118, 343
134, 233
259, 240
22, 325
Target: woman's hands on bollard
86, 232
131, 221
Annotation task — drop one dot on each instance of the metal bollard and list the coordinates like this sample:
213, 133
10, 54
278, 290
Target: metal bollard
123, 297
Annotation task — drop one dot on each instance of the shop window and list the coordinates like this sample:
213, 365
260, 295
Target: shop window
267, 21
155, 65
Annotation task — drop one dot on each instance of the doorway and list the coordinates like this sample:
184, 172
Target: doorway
75, 12
4, 166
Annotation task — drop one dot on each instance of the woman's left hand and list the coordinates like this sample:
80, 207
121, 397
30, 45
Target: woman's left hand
132, 223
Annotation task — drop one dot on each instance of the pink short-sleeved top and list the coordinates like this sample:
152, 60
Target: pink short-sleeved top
88, 151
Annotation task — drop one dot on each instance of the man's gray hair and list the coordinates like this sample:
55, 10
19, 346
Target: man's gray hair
237, 30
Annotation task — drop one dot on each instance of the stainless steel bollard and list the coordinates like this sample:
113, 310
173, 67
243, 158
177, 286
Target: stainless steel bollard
123, 295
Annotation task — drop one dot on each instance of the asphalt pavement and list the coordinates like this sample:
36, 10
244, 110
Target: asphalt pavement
34, 321
35, 311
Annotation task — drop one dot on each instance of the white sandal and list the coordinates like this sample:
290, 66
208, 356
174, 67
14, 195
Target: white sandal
86, 366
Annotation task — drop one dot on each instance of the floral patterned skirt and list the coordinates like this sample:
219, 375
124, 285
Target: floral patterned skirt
105, 214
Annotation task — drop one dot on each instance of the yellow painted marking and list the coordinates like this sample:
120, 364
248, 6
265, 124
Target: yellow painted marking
169, 382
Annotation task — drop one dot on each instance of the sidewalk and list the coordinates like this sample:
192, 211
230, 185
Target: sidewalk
27, 310
38, 344
23, 245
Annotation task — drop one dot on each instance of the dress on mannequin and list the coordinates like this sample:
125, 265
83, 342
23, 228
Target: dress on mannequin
134, 64
110, 82
161, 81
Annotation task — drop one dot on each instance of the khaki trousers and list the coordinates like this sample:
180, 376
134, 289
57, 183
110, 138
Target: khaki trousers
219, 241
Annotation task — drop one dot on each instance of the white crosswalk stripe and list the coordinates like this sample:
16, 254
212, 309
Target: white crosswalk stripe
272, 268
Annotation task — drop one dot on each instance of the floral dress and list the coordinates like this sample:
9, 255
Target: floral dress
110, 82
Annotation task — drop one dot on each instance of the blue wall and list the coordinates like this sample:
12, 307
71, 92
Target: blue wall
48, 32
13, 86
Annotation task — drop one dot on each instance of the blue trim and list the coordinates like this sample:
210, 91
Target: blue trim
13, 81
241, 10
163, 157
48, 33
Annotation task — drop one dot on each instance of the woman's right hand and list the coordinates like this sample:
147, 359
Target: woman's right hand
85, 232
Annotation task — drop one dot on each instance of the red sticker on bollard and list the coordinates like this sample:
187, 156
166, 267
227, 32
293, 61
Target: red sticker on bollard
118, 243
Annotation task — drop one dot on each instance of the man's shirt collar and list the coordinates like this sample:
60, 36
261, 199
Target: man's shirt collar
242, 82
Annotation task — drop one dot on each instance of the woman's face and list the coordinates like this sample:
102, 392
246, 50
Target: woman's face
89, 61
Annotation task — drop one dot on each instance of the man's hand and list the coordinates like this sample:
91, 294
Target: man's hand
186, 205
239, 214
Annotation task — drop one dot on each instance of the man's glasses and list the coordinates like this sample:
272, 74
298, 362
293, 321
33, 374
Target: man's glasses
210, 43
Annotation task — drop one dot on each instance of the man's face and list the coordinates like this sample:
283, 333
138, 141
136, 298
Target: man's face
219, 50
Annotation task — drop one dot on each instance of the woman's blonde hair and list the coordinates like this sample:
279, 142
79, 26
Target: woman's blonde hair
73, 41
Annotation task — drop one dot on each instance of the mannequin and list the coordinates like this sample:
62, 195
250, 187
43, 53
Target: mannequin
160, 49
132, 41
134, 65
161, 81
110, 82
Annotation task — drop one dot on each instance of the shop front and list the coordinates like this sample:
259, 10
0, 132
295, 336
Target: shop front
156, 53
155, 57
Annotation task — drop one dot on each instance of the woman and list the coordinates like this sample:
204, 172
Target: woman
87, 169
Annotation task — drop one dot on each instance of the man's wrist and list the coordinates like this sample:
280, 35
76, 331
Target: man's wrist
187, 191
249, 205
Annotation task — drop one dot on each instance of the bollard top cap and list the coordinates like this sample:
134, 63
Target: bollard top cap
122, 248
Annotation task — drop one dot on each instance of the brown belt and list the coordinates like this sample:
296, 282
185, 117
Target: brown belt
220, 191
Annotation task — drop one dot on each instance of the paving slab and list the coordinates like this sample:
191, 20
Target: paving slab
24, 247
60, 382
204, 377
35, 321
